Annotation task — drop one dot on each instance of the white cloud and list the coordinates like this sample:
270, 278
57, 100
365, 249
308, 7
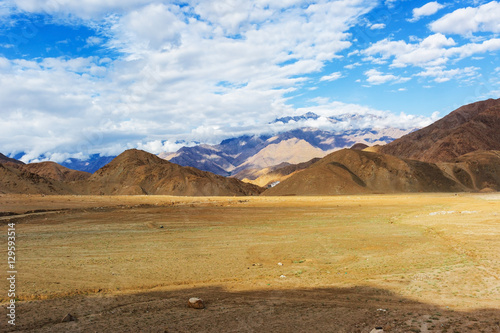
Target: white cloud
332, 77
377, 26
94, 40
84, 9
188, 72
426, 10
439, 74
466, 21
354, 116
158, 146
435, 50
351, 66
375, 77
470, 49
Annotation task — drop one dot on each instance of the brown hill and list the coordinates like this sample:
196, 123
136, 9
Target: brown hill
479, 171
5, 159
52, 170
290, 151
359, 146
353, 172
20, 181
469, 128
278, 173
138, 172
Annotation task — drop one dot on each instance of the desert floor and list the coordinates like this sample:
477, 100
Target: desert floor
407, 263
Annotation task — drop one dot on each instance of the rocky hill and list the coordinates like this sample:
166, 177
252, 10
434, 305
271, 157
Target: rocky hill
20, 181
232, 156
478, 171
138, 172
272, 175
55, 171
469, 128
354, 172
132, 172
5, 159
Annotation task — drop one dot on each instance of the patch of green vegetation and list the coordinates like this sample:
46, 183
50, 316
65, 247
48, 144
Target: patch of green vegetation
299, 272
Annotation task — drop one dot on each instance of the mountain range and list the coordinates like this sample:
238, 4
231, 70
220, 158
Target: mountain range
460, 152
350, 171
254, 152
130, 173
471, 127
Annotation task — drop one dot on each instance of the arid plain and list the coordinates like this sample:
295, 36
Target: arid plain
406, 262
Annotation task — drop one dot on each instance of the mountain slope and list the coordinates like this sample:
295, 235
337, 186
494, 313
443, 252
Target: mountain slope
138, 172
20, 181
290, 151
354, 172
234, 155
52, 170
5, 159
91, 165
273, 175
478, 171
469, 128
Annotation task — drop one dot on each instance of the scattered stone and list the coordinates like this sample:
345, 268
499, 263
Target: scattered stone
67, 318
196, 303
282, 276
377, 330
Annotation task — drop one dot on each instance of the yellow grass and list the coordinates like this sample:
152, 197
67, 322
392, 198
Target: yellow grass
441, 249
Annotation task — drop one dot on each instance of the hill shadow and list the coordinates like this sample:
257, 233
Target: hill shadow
356, 309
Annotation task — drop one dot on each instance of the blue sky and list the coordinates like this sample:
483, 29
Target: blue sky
86, 77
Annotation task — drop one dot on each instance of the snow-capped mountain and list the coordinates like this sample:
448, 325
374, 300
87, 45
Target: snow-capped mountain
294, 146
298, 139
94, 163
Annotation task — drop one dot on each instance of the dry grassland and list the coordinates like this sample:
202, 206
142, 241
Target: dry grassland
409, 263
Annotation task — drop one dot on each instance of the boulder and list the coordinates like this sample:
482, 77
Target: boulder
196, 303
67, 318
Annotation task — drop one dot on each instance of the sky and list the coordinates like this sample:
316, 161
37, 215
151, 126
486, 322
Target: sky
99, 77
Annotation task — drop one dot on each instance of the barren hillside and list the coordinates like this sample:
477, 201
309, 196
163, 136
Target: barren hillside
19, 181
138, 172
352, 171
55, 171
469, 128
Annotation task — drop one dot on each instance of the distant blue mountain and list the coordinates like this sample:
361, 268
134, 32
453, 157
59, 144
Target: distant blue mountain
286, 120
94, 163
230, 156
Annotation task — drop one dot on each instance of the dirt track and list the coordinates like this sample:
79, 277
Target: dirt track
405, 262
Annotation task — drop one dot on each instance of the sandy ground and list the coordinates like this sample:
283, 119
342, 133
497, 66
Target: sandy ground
408, 263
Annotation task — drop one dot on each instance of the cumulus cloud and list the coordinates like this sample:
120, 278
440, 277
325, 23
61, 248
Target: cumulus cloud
332, 77
94, 40
352, 66
439, 74
467, 21
201, 71
84, 9
353, 116
426, 10
377, 26
435, 50
375, 77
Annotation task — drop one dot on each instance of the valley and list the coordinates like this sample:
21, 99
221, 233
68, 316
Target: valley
406, 262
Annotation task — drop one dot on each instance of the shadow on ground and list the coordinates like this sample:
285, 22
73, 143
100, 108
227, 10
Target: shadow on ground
358, 309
